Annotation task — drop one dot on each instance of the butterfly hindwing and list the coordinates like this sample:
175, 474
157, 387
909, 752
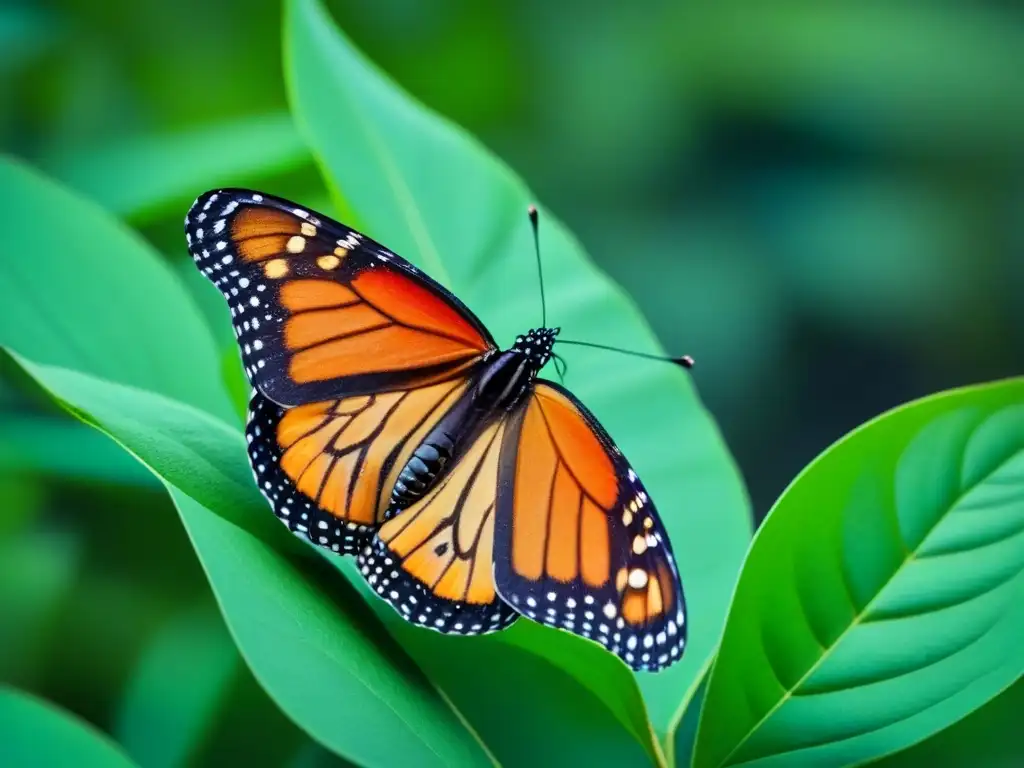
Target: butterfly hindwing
433, 560
327, 468
578, 543
322, 311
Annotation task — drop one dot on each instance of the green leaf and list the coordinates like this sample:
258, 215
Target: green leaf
883, 597
179, 683
325, 662
184, 446
989, 737
308, 638
554, 712
312, 755
683, 735
593, 667
543, 713
79, 290
434, 195
35, 732
146, 176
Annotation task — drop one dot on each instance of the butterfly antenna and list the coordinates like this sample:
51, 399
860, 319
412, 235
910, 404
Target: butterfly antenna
561, 367
684, 362
532, 211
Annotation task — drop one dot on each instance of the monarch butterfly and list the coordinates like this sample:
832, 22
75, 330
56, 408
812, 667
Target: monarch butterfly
386, 423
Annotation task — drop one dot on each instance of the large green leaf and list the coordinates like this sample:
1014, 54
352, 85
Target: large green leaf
883, 597
555, 713
307, 636
320, 655
34, 732
145, 176
78, 289
432, 193
186, 447
990, 737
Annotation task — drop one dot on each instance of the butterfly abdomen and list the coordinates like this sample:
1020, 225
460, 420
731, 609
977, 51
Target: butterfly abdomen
423, 467
503, 380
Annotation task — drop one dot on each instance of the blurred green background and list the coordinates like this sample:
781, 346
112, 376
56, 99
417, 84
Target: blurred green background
820, 202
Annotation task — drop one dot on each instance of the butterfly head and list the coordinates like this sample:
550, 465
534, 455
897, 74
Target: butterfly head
537, 345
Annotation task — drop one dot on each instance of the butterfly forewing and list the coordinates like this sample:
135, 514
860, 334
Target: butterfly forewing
322, 311
578, 543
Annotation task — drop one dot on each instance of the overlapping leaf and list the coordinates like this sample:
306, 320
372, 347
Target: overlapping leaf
308, 638
78, 289
883, 598
34, 732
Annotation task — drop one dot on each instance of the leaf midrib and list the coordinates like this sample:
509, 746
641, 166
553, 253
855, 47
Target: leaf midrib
956, 691
909, 556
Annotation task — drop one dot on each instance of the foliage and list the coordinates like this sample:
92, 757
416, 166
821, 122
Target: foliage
878, 606
880, 600
33, 732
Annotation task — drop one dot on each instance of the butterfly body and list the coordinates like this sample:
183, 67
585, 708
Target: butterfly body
502, 382
386, 423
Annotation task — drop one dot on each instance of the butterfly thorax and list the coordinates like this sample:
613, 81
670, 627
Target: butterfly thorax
536, 346
505, 378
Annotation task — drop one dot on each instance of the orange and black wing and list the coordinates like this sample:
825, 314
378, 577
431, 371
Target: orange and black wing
578, 543
327, 468
322, 311
432, 562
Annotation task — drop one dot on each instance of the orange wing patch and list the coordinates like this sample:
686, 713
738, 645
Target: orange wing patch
578, 544
380, 323
594, 546
263, 233
584, 455
302, 295
336, 452
415, 307
313, 328
567, 486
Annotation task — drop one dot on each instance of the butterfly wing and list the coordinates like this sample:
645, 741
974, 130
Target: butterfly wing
327, 468
432, 562
322, 311
578, 543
